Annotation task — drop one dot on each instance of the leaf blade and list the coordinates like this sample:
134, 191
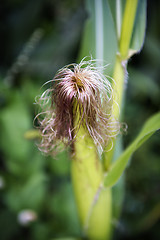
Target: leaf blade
139, 28
117, 169
99, 37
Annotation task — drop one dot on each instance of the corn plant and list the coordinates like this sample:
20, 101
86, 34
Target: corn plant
83, 110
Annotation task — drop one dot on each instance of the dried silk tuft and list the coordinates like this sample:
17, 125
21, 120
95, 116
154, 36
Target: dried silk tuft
79, 91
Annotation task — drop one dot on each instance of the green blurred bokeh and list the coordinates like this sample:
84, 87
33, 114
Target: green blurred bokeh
37, 38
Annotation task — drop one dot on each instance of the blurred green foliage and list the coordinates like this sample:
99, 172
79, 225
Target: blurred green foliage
28, 179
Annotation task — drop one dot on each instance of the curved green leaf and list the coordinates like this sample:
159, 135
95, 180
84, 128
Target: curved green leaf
139, 27
151, 125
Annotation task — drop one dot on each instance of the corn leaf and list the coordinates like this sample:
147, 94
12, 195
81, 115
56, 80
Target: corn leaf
117, 9
139, 28
118, 167
99, 38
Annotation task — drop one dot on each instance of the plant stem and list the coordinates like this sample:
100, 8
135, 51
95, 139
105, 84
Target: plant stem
118, 86
127, 27
120, 70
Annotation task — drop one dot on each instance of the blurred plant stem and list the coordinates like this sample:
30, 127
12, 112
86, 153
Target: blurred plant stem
120, 70
24, 56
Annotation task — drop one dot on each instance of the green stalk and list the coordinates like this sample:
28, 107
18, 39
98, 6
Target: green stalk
119, 77
127, 27
120, 70
93, 202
